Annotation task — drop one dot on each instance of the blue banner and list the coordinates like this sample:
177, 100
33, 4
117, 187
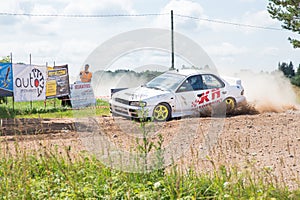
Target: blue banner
6, 79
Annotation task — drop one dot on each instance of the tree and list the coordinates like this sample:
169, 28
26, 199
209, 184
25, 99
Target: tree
298, 71
291, 71
287, 11
296, 81
287, 69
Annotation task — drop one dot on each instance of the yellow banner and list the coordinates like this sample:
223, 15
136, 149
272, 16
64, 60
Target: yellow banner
59, 72
51, 88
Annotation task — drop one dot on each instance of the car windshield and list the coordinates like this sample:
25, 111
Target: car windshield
166, 81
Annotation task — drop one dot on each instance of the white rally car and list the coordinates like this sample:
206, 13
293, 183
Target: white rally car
177, 93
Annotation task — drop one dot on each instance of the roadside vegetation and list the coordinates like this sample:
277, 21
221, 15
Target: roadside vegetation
46, 174
51, 108
289, 71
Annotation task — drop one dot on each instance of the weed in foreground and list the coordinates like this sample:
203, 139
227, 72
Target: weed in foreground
52, 174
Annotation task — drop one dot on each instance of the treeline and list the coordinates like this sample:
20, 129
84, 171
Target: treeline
146, 75
289, 71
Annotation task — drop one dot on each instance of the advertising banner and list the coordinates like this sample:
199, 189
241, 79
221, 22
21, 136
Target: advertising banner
57, 82
82, 95
6, 79
29, 82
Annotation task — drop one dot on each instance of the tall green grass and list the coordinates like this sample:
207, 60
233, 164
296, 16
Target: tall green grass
52, 174
50, 177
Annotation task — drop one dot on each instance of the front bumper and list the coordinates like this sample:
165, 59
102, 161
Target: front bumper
130, 111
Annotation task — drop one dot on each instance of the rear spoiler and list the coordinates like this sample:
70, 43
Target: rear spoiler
232, 80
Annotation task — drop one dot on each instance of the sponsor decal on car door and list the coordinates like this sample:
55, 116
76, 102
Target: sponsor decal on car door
198, 93
212, 92
207, 98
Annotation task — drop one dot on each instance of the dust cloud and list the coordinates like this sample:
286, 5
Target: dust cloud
268, 92
104, 82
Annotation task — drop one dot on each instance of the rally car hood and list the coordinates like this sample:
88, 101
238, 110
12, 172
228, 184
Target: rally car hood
139, 93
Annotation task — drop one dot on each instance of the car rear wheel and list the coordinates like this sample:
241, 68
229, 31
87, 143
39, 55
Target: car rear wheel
162, 112
230, 105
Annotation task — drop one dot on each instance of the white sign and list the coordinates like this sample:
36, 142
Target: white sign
29, 82
82, 95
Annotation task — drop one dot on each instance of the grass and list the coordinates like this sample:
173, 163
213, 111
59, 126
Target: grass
50, 108
49, 175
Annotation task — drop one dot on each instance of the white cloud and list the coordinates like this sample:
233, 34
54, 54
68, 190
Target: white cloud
259, 18
226, 56
256, 19
74, 53
70, 40
226, 49
180, 7
10, 6
270, 51
247, 1
49, 39
26, 24
99, 7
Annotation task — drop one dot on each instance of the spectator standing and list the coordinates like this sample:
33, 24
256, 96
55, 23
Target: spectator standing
86, 75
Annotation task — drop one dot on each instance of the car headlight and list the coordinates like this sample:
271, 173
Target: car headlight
138, 103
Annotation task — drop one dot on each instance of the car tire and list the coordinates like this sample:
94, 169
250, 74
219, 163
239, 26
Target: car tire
162, 112
230, 105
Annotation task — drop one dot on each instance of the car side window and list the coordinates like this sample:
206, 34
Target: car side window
210, 81
192, 83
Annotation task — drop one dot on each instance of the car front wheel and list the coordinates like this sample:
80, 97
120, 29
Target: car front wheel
162, 112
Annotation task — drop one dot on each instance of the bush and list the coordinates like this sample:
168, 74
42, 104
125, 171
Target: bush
296, 81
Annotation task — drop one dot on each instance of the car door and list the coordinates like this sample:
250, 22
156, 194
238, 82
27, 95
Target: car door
187, 94
212, 92
198, 93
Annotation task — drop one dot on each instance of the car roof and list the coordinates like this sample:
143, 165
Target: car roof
189, 72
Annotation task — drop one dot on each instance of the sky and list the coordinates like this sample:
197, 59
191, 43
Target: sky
70, 40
